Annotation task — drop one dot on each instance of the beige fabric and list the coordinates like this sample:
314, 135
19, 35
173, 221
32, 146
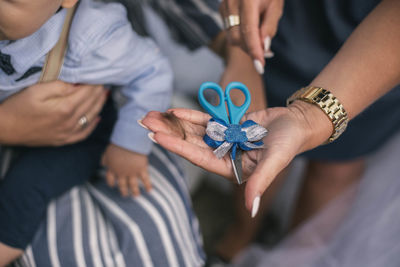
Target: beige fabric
55, 58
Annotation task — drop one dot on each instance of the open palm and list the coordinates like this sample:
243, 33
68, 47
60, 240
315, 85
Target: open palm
181, 131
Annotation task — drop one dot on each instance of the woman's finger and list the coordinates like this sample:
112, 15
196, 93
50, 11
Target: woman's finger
191, 133
55, 89
90, 109
190, 115
163, 122
88, 104
123, 186
134, 186
269, 24
82, 94
157, 122
273, 163
80, 135
200, 156
197, 140
193, 139
249, 27
231, 8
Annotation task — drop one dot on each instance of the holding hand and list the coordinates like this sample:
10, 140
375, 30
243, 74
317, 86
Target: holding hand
252, 25
126, 168
292, 130
48, 114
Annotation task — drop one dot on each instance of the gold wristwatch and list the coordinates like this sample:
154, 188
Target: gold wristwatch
329, 104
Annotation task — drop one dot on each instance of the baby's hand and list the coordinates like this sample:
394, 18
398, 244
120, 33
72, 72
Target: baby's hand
126, 168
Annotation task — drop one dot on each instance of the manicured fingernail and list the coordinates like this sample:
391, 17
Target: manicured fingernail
141, 124
269, 54
259, 67
267, 43
151, 137
256, 205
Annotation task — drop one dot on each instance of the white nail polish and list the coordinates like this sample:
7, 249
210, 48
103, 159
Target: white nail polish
256, 205
259, 67
151, 137
141, 124
269, 54
267, 44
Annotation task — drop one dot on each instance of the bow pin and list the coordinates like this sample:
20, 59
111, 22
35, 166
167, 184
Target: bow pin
224, 137
224, 132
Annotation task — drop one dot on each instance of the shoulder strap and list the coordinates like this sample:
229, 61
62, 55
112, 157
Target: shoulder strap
55, 58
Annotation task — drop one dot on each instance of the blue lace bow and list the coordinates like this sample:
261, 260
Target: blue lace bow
223, 136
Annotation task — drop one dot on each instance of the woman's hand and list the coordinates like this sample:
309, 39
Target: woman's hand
258, 25
48, 114
291, 131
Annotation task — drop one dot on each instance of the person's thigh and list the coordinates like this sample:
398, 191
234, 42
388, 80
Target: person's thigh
93, 225
38, 175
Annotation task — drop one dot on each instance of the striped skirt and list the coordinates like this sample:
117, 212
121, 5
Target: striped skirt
92, 225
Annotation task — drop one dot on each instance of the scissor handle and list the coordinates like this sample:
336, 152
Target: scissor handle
218, 111
237, 112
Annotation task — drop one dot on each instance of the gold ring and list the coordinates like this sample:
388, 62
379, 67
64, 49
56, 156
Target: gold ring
231, 21
83, 121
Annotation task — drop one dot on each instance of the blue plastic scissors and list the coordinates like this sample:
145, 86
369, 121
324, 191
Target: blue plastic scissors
235, 112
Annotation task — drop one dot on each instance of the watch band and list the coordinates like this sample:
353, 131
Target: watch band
328, 103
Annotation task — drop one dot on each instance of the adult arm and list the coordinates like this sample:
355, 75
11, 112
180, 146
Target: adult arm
47, 114
368, 64
365, 68
240, 68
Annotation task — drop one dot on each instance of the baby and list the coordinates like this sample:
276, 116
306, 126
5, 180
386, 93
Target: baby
102, 49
